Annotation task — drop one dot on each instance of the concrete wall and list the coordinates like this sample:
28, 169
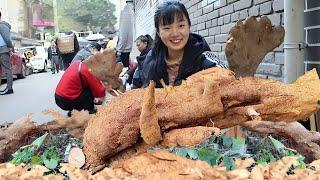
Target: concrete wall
15, 12
213, 20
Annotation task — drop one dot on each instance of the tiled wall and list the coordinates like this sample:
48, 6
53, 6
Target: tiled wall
312, 30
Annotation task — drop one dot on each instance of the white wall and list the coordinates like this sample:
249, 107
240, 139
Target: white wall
15, 13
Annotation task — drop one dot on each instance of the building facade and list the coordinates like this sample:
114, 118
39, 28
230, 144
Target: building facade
16, 13
214, 18
28, 20
312, 29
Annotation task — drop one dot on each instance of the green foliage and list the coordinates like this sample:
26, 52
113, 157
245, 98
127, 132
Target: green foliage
215, 150
224, 149
38, 142
302, 164
268, 150
239, 145
192, 153
23, 156
33, 155
50, 158
229, 163
81, 13
26, 154
78, 14
277, 144
226, 141
211, 157
265, 157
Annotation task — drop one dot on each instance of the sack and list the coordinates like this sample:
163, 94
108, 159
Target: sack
66, 44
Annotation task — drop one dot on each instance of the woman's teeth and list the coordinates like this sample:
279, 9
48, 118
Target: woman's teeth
176, 40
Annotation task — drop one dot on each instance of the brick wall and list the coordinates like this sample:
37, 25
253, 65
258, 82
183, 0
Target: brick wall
214, 18
144, 12
312, 24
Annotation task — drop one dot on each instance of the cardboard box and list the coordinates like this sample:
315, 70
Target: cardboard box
66, 44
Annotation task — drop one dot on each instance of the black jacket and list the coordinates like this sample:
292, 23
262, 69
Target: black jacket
138, 79
50, 52
194, 60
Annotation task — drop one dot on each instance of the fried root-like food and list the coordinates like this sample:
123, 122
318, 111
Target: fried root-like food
164, 165
75, 124
272, 100
103, 66
149, 126
23, 131
188, 137
118, 122
15, 136
138, 148
249, 42
213, 95
115, 127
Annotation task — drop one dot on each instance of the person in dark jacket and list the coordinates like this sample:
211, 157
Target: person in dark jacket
86, 52
6, 47
144, 44
54, 56
67, 58
177, 53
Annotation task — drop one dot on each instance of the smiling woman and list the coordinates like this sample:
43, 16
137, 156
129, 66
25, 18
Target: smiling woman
177, 53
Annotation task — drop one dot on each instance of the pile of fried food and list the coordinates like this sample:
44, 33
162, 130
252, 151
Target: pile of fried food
211, 96
164, 165
122, 131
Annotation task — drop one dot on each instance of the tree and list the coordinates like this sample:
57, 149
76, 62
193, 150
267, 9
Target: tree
97, 13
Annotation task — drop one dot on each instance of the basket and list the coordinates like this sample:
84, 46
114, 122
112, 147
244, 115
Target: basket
66, 44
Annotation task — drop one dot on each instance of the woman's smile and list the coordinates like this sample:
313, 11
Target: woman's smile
175, 35
176, 41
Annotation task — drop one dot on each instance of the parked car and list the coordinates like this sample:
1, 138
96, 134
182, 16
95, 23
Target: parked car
38, 58
19, 67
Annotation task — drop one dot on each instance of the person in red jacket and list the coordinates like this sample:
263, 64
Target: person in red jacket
83, 81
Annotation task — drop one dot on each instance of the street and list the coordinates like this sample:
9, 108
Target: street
33, 94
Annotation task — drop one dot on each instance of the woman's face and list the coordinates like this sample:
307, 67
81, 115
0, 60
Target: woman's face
175, 36
141, 45
53, 43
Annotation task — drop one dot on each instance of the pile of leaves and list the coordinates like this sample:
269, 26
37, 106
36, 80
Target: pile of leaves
48, 150
223, 150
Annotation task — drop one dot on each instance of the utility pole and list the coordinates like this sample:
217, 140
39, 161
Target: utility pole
55, 16
293, 40
29, 19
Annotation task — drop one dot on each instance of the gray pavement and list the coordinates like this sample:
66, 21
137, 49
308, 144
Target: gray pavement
33, 94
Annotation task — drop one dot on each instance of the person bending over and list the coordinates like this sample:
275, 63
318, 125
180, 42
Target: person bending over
84, 80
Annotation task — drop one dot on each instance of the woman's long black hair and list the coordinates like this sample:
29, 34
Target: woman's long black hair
165, 14
146, 39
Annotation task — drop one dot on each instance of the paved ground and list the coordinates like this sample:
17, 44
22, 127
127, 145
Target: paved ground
31, 95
